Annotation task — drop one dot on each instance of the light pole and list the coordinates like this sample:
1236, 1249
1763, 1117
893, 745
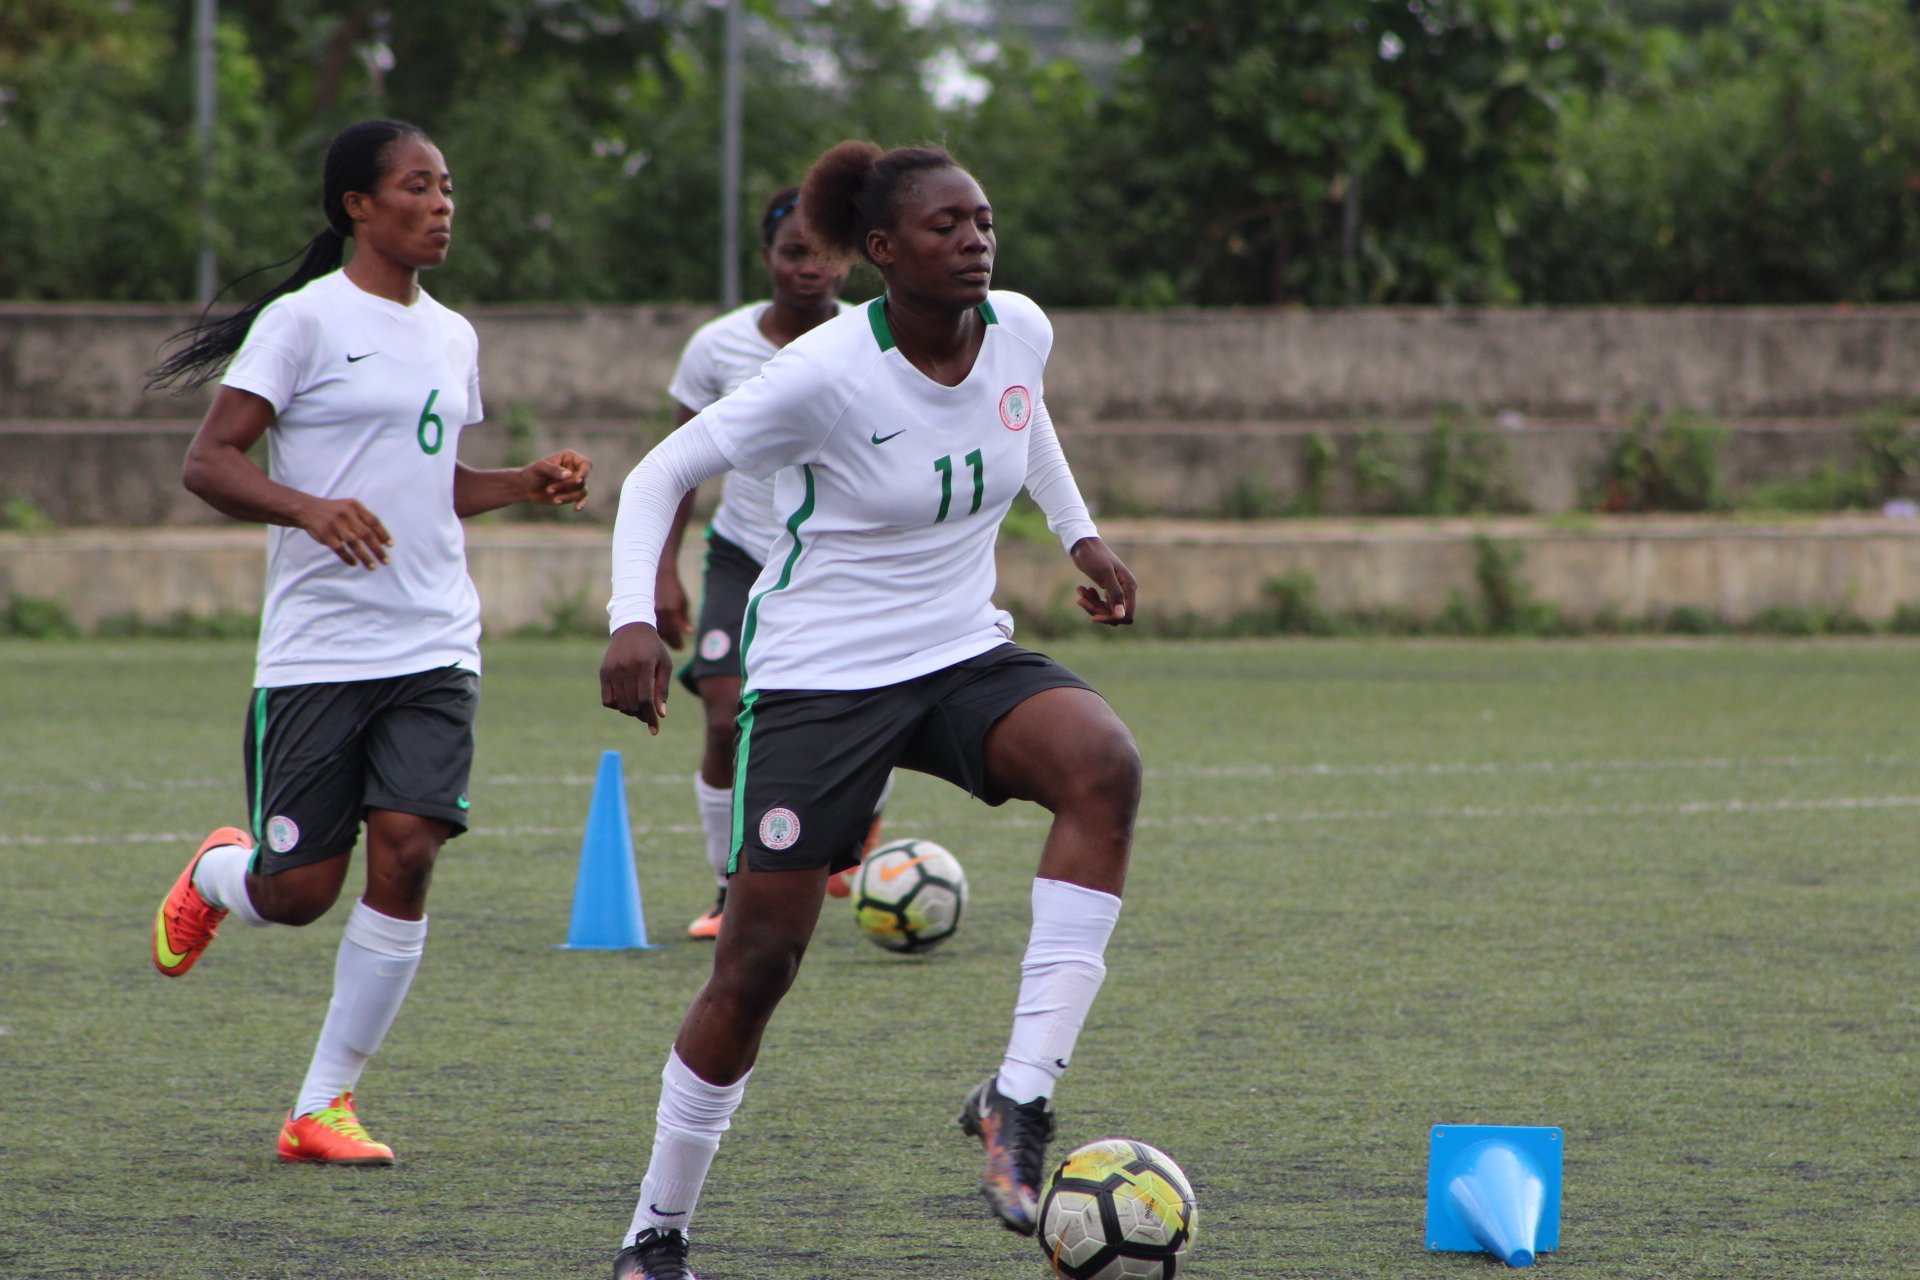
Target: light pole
205, 71
730, 164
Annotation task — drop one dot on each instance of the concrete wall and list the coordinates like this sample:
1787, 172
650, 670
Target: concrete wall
128, 473
1631, 567
87, 362
1180, 413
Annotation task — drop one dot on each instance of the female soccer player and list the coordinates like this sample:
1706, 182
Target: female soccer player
897, 435
367, 673
721, 355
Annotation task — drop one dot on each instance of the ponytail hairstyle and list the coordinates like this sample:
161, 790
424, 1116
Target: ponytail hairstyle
856, 188
783, 203
356, 161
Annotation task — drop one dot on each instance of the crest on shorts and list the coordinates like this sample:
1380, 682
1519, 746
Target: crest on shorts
1016, 408
779, 828
282, 833
714, 645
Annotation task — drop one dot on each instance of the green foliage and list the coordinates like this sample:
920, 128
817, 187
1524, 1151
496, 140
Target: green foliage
180, 625
1346, 151
1319, 456
1775, 159
1252, 151
1673, 468
32, 618
1464, 468
1889, 448
21, 515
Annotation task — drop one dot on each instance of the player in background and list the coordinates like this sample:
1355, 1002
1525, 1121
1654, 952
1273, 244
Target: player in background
720, 356
898, 435
367, 672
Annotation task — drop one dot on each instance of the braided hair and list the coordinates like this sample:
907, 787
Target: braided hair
356, 161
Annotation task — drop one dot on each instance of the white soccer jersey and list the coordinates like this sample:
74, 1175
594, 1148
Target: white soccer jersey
890, 489
722, 354
370, 397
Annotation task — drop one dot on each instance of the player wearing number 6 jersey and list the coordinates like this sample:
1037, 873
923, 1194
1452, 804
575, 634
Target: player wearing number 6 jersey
897, 435
367, 673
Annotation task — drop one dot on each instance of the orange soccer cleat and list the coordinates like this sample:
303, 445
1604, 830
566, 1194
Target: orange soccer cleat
331, 1135
187, 922
707, 926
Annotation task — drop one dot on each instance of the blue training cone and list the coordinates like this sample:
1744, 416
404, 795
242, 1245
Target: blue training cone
1494, 1189
607, 915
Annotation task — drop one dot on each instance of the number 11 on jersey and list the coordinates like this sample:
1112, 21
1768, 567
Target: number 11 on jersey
945, 467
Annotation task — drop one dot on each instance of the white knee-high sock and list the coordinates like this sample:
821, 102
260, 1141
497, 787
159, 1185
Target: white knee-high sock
687, 1127
221, 878
716, 819
378, 958
1059, 977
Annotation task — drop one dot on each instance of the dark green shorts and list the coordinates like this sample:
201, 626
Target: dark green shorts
725, 585
319, 756
810, 763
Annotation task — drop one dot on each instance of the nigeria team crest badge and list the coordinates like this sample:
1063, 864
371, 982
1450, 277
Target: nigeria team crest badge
1016, 408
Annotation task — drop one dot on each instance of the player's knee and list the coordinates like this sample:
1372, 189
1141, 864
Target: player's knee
1107, 773
294, 905
755, 976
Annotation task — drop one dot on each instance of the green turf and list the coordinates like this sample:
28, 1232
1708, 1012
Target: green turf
1659, 894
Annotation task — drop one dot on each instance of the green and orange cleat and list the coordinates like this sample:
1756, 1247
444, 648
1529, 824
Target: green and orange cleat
331, 1135
187, 922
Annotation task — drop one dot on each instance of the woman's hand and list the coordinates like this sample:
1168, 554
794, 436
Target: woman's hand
635, 674
1110, 601
347, 529
557, 479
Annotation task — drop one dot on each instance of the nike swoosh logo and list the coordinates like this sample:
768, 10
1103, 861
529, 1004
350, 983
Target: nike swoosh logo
880, 439
1060, 1063
665, 1213
353, 359
164, 945
888, 873
464, 803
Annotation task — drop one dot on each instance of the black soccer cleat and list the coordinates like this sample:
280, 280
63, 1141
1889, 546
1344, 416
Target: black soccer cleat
1015, 1136
656, 1255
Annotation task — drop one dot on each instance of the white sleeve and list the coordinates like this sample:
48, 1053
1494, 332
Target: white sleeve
695, 382
271, 362
648, 500
781, 416
1050, 481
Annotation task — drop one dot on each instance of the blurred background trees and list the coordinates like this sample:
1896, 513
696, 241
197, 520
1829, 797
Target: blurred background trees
1138, 152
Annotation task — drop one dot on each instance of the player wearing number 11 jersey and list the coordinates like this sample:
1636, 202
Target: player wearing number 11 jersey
367, 674
897, 435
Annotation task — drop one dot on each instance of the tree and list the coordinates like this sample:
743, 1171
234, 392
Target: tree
1347, 150
1776, 160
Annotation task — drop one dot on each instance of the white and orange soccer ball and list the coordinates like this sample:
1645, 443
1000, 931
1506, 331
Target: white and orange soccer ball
909, 895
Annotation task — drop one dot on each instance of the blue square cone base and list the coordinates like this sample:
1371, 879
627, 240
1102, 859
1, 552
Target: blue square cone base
1494, 1189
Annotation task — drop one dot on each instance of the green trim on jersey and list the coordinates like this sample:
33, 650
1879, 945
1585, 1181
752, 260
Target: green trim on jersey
259, 772
877, 317
747, 628
883, 332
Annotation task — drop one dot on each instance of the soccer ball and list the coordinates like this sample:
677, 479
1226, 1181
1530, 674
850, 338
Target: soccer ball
910, 895
1117, 1209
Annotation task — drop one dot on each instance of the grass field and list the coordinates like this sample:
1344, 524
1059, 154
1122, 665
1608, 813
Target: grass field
1662, 895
